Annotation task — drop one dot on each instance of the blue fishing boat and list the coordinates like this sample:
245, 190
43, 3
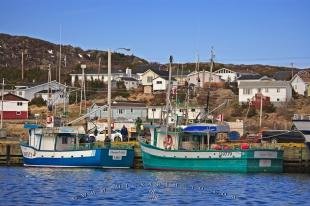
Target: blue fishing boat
66, 147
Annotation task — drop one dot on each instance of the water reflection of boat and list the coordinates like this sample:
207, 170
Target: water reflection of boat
62, 147
193, 148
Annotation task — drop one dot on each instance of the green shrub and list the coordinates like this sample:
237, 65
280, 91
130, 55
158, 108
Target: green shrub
38, 101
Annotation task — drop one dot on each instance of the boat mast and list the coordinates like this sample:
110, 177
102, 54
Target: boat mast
168, 103
207, 109
109, 93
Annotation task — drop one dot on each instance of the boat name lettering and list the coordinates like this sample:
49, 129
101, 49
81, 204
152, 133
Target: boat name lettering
117, 152
226, 154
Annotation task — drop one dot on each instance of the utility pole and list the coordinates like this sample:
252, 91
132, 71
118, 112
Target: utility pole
261, 110
83, 66
210, 79
292, 74
99, 65
2, 94
59, 69
22, 65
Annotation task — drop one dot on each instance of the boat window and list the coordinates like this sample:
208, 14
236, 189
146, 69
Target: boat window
64, 140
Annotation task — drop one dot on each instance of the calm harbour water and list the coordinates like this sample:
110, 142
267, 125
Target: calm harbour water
50, 186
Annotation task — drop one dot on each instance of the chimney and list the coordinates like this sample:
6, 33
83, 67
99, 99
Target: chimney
128, 72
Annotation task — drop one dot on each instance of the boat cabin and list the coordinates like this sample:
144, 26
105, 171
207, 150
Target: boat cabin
190, 137
54, 138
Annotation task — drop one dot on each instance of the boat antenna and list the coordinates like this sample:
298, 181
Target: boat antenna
176, 98
207, 109
49, 101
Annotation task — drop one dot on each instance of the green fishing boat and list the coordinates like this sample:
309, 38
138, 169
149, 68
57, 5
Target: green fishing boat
192, 148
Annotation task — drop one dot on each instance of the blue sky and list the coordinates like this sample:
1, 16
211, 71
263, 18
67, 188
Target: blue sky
275, 32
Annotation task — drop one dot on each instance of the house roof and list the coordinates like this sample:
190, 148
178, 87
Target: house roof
304, 75
46, 91
158, 72
225, 69
52, 83
282, 75
13, 97
249, 76
201, 72
263, 84
128, 79
124, 104
166, 78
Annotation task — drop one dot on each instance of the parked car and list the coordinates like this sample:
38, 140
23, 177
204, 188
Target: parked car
116, 136
251, 138
282, 136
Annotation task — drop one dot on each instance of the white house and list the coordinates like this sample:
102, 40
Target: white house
301, 83
278, 91
130, 82
115, 74
202, 77
161, 83
14, 107
148, 76
156, 112
227, 75
121, 110
58, 92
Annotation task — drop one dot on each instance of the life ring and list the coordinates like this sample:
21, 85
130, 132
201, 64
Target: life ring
168, 142
49, 119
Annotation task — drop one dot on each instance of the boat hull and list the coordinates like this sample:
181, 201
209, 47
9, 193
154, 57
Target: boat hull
213, 160
103, 157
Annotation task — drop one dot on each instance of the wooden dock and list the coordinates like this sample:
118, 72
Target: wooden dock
296, 156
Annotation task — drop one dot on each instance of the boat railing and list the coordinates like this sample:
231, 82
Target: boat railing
100, 145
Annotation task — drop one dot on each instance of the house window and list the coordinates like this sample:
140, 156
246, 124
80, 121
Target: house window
19, 104
20, 93
120, 111
193, 110
18, 113
295, 86
105, 109
278, 99
259, 90
153, 109
247, 91
266, 90
126, 82
149, 79
278, 90
159, 82
131, 110
61, 96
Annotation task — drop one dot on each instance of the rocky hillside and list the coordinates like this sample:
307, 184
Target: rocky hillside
38, 54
